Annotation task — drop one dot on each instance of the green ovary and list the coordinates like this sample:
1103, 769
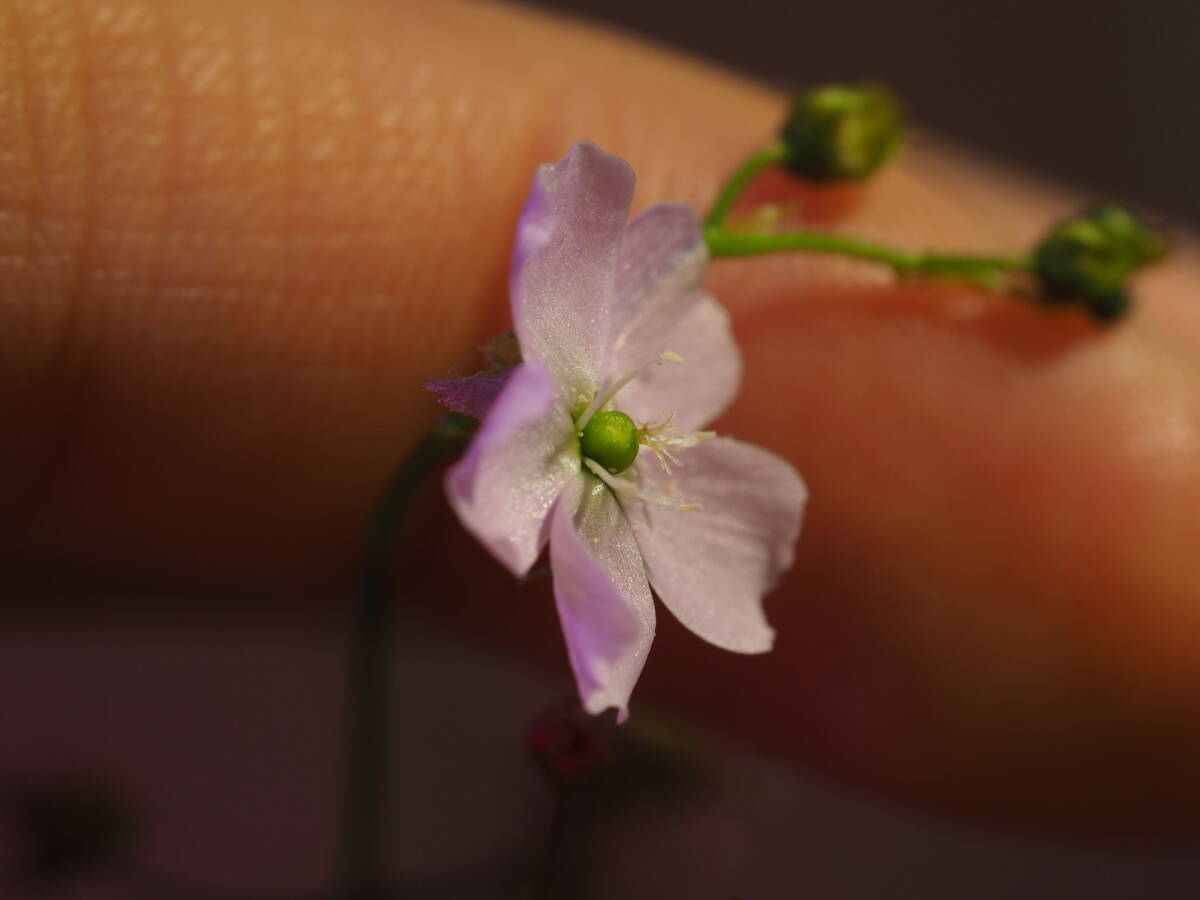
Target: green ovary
611, 439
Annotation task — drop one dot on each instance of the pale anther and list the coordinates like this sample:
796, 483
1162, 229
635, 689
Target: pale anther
607, 393
664, 437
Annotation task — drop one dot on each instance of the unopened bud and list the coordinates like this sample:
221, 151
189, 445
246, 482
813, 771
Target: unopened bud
1088, 258
842, 132
569, 744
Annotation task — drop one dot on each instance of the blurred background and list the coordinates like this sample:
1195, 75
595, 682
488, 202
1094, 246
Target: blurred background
196, 754
1099, 93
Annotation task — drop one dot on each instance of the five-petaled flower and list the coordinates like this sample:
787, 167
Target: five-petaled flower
591, 444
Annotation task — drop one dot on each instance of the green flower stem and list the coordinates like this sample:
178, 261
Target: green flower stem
770, 155
986, 270
727, 243
366, 784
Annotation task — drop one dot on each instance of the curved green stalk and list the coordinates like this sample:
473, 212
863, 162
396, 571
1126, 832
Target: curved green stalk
985, 270
727, 243
770, 155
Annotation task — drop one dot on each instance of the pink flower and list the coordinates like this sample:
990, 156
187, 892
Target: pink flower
611, 316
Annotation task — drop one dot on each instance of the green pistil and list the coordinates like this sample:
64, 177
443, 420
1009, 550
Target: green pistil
611, 439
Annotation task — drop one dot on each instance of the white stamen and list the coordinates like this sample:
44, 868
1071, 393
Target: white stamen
629, 489
665, 437
607, 393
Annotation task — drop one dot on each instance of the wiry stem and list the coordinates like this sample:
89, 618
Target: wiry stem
985, 270
770, 155
366, 785
726, 243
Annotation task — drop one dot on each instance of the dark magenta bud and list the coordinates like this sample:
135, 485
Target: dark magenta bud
568, 744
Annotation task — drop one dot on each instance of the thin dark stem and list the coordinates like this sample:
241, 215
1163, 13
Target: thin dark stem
547, 878
367, 787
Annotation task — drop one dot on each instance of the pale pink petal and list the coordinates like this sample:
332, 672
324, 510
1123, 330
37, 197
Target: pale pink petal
711, 567
659, 307
604, 602
662, 259
703, 385
524, 453
472, 396
564, 263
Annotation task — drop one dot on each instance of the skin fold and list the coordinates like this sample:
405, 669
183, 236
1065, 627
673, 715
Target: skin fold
236, 235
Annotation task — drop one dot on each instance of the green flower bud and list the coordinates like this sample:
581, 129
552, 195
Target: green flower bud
611, 439
842, 131
1109, 306
1088, 259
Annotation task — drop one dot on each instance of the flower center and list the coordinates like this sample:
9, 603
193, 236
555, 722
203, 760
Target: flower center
611, 439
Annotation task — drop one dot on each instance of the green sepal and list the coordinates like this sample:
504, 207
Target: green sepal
842, 132
1088, 259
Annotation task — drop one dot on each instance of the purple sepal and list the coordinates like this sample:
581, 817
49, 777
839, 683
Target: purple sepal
472, 396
